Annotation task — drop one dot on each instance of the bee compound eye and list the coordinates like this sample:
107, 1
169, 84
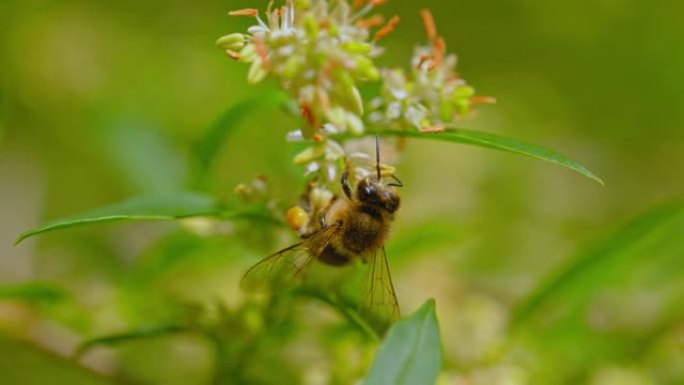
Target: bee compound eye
368, 193
391, 201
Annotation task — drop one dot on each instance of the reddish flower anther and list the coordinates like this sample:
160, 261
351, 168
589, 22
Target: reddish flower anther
475, 100
377, 3
438, 51
307, 114
429, 23
260, 48
370, 22
245, 12
387, 29
233, 55
422, 60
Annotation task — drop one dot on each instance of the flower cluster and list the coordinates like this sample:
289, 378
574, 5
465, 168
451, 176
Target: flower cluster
319, 51
432, 96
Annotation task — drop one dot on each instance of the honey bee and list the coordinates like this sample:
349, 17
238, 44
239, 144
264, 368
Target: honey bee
352, 228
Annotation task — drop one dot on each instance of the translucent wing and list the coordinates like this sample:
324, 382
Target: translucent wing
287, 266
381, 308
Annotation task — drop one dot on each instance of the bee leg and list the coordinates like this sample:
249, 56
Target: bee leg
321, 219
346, 187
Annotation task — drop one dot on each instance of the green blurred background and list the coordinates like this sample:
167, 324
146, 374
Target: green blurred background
100, 101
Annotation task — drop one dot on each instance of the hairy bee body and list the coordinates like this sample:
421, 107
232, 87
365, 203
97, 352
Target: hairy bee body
363, 228
352, 227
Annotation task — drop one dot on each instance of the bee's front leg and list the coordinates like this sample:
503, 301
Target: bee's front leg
346, 187
321, 219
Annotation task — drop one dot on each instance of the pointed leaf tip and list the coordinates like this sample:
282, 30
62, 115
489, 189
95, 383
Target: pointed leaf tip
411, 352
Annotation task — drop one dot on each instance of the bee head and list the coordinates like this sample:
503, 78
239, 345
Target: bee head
376, 193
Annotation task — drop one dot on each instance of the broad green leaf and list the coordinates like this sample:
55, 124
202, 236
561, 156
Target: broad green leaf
134, 335
497, 142
411, 352
210, 144
35, 291
145, 208
647, 240
25, 364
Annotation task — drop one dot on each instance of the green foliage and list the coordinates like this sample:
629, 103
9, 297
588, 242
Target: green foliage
33, 292
23, 363
211, 142
116, 339
578, 314
163, 207
411, 352
616, 258
498, 142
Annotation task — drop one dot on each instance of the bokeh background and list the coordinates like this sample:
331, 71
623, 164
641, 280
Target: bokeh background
100, 101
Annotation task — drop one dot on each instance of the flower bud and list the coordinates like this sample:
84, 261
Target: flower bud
357, 47
248, 53
256, 72
356, 102
302, 4
464, 92
320, 198
292, 67
354, 123
365, 68
336, 116
311, 27
309, 154
334, 151
446, 110
233, 42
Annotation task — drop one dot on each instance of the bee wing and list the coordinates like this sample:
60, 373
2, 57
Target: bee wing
381, 306
287, 266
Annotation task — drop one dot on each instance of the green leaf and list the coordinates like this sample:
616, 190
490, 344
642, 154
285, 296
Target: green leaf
411, 352
145, 208
652, 239
210, 144
140, 334
36, 292
23, 363
497, 142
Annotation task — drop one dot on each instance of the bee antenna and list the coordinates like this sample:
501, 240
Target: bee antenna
377, 155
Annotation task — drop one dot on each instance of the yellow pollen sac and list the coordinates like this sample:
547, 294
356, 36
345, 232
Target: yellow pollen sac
296, 217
